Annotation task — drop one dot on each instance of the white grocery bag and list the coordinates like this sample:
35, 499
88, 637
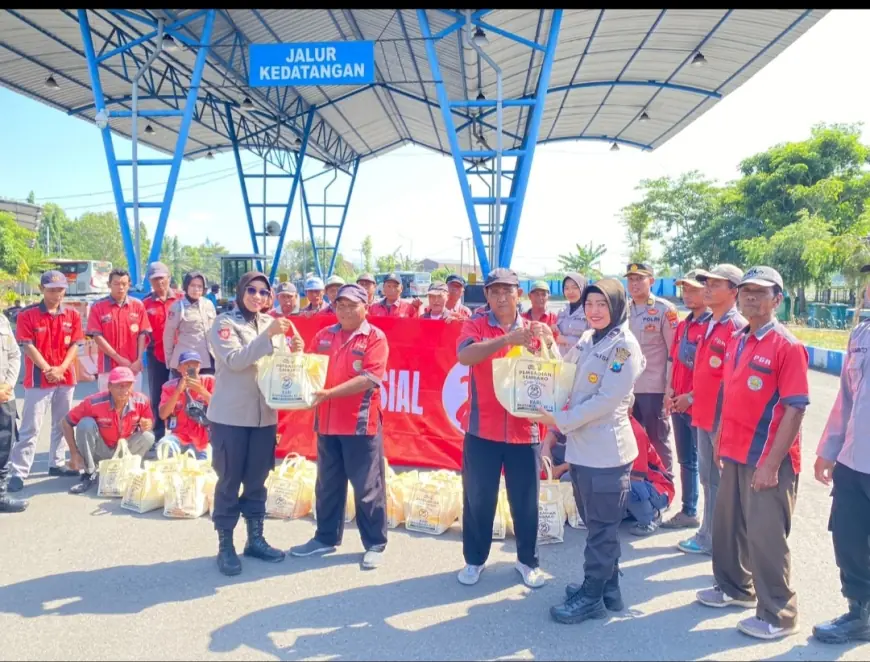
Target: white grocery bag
115, 471
433, 503
551, 509
290, 488
144, 491
289, 380
524, 383
186, 488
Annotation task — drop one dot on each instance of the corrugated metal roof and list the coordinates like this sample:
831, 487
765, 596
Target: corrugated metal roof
609, 67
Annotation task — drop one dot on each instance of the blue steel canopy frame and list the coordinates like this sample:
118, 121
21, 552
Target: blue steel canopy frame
518, 175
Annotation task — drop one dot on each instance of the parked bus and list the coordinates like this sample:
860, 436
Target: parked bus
414, 283
84, 276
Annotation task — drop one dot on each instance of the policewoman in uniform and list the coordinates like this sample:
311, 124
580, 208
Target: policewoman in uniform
601, 445
844, 456
243, 427
571, 321
348, 422
188, 324
494, 439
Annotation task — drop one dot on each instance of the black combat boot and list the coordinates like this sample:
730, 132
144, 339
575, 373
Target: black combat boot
854, 625
10, 505
612, 594
227, 559
583, 604
257, 545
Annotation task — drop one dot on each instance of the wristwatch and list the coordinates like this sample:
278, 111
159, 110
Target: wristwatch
690, 398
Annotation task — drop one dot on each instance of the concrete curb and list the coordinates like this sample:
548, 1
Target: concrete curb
826, 360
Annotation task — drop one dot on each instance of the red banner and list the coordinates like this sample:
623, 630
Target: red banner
422, 395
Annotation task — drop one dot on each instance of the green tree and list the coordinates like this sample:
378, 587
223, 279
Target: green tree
97, 236
584, 260
386, 263
368, 252
440, 274
54, 230
31, 198
20, 257
638, 224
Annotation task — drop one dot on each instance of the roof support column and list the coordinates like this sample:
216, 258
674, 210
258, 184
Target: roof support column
242, 184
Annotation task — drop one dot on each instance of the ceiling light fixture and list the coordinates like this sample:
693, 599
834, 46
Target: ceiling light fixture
149, 130
643, 117
699, 60
481, 96
479, 37
51, 83
169, 44
247, 104
614, 147
209, 155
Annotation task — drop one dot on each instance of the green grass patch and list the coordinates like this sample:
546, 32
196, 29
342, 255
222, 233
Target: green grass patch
824, 338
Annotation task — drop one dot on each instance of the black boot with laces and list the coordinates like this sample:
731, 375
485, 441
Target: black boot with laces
227, 559
854, 625
582, 605
257, 546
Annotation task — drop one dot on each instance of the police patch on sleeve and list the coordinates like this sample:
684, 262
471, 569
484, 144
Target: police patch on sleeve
619, 358
224, 333
671, 316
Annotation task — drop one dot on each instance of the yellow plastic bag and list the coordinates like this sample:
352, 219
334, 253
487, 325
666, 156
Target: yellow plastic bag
114, 472
288, 380
349, 505
433, 503
167, 455
290, 488
572, 513
524, 382
551, 509
145, 490
185, 489
398, 487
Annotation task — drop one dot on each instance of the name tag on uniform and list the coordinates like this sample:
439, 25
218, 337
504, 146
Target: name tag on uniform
172, 423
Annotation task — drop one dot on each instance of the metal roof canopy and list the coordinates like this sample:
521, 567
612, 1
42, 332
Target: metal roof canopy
621, 76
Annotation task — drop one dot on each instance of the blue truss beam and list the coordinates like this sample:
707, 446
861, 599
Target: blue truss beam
297, 176
244, 187
343, 217
523, 165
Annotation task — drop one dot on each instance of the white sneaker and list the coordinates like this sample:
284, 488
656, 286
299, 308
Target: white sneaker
759, 629
372, 559
470, 574
532, 577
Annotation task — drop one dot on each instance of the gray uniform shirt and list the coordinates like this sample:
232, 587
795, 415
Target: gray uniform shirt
187, 328
847, 435
596, 422
570, 326
653, 324
238, 345
10, 354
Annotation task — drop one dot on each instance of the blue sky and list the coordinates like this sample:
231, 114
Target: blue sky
411, 197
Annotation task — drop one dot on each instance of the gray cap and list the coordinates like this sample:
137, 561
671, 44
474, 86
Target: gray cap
335, 280
393, 277
438, 288
366, 277
286, 288
353, 292
157, 270
540, 285
691, 278
313, 283
764, 276
502, 276
53, 278
729, 272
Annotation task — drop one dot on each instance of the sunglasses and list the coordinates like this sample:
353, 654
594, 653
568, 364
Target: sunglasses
253, 291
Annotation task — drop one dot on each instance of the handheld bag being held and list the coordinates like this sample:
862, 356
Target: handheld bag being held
523, 382
288, 380
115, 472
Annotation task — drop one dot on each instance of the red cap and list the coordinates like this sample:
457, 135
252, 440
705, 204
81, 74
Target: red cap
121, 375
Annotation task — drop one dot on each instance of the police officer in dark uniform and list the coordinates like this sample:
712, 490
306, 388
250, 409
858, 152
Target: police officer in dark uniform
243, 427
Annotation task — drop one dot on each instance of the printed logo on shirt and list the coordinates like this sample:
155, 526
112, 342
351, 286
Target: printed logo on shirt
763, 360
67, 340
134, 328
224, 334
653, 311
67, 326
593, 378
357, 365
134, 317
755, 383
715, 362
619, 359
650, 327
106, 318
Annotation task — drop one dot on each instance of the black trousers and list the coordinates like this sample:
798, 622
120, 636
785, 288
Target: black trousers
482, 462
850, 525
648, 412
8, 437
602, 495
158, 375
241, 456
360, 460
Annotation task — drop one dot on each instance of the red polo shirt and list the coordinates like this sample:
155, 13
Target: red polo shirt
362, 352
709, 365
121, 325
157, 311
52, 336
689, 333
548, 318
463, 311
401, 308
179, 423
485, 417
764, 372
112, 427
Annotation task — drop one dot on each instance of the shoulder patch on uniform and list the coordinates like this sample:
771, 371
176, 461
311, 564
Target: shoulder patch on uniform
224, 333
619, 358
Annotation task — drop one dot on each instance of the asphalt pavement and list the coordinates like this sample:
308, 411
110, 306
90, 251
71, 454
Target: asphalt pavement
82, 579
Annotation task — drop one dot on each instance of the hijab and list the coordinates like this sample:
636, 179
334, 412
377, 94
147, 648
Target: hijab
244, 281
188, 279
614, 294
580, 282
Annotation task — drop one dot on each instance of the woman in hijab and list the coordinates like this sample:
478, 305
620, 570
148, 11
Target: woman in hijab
571, 322
601, 445
243, 427
188, 323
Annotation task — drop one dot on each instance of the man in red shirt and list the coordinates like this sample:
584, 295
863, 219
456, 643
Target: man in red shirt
93, 427
50, 334
348, 420
183, 404
314, 293
689, 333
765, 394
494, 439
119, 325
720, 296
391, 305
288, 300
437, 309
367, 282
157, 305
455, 290
539, 296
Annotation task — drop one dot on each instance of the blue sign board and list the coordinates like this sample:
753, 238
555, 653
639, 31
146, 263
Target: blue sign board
312, 63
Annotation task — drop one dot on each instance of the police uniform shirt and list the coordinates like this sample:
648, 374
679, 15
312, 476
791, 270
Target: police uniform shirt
10, 354
571, 325
653, 324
